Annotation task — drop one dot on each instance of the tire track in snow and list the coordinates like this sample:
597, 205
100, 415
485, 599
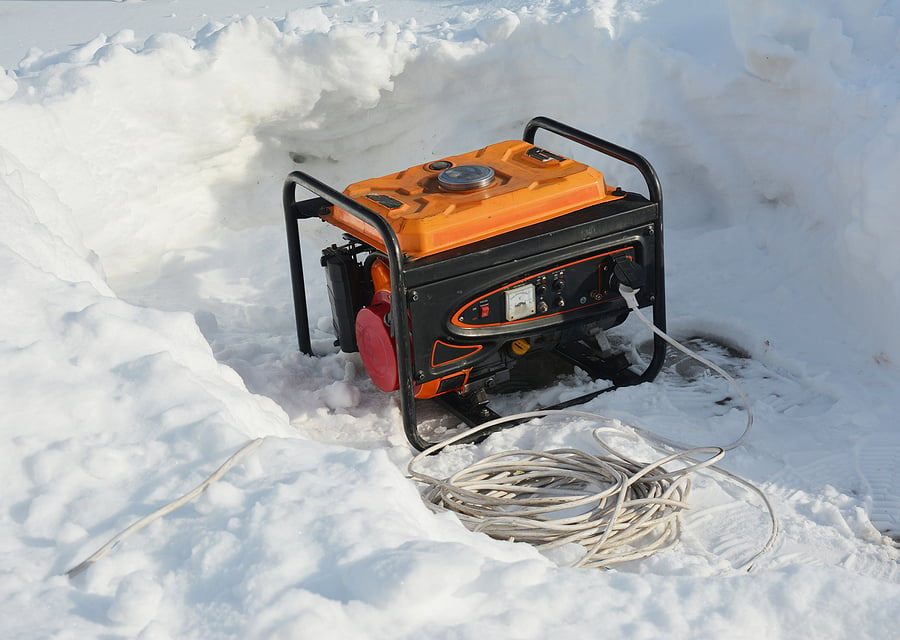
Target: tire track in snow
877, 466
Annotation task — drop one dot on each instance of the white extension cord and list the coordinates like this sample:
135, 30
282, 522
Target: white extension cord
617, 508
165, 510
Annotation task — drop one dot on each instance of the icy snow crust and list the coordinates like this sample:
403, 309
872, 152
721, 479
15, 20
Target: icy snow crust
147, 331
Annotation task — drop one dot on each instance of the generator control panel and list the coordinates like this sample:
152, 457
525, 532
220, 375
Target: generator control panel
561, 289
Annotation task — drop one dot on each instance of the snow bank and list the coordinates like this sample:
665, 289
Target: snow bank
146, 298
105, 404
153, 140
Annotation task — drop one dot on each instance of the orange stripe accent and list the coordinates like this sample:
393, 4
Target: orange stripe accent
469, 350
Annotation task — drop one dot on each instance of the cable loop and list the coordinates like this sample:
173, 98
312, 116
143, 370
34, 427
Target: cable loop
617, 508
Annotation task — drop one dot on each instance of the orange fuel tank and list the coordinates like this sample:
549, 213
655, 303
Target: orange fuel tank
461, 199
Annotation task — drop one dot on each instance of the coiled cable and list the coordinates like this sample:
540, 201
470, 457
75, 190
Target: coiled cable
617, 508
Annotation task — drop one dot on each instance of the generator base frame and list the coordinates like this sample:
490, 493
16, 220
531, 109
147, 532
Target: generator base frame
402, 269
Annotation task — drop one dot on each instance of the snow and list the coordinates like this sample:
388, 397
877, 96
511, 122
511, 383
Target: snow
147, 330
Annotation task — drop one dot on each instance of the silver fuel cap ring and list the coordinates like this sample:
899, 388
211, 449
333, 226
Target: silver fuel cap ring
465, 177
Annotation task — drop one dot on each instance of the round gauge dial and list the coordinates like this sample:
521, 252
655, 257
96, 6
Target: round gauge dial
520, 302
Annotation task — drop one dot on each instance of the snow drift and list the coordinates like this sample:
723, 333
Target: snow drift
145, 289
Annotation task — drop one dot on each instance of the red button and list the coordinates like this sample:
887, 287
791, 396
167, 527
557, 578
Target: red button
485, 310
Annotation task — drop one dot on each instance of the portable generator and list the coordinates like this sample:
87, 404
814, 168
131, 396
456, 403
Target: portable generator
480, 272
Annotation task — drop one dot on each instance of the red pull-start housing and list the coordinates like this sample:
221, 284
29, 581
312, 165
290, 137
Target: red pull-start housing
376, 345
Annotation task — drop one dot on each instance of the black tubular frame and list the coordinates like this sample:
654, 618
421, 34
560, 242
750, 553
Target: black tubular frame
294, 211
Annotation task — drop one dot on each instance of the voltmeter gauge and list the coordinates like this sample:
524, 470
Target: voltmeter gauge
520, 302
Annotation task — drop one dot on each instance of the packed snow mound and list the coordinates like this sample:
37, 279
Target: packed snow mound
148, 333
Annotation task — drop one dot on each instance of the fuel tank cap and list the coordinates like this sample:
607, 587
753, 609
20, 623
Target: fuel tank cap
466, 177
